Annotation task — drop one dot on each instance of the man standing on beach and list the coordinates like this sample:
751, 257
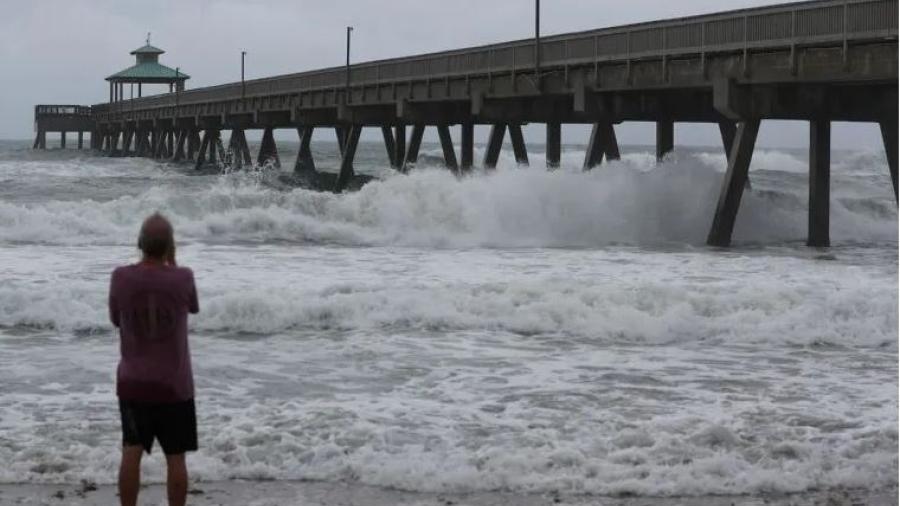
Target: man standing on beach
149, 302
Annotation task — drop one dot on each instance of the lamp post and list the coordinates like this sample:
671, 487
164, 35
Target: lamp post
243, 86
347, 86
537, 44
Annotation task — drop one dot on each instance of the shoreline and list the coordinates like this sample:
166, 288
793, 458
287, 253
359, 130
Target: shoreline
309, 493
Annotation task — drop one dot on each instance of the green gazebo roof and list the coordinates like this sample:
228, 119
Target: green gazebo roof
148, 49
148, 71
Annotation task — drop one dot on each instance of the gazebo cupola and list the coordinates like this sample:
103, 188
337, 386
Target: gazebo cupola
146, 69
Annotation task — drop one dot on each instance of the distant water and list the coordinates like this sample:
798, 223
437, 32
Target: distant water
524, 331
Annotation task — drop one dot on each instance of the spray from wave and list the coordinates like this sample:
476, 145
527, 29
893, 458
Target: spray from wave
628, 202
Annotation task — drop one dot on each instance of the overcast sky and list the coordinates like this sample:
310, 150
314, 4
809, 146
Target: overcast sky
59, 51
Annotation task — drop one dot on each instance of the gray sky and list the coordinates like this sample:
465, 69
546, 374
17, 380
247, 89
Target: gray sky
59, 51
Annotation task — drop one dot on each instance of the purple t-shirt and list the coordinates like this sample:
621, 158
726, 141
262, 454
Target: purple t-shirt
150, 305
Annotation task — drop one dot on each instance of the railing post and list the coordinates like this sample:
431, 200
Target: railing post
746, 64
703, 49
846, 59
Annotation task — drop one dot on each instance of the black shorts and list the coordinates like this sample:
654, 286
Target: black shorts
174, 424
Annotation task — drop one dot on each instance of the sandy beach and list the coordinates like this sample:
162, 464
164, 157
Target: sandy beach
274, 493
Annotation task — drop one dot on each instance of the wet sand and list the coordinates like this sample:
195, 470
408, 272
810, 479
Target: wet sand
279, 493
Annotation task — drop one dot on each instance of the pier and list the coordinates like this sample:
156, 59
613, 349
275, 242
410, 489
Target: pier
819, 61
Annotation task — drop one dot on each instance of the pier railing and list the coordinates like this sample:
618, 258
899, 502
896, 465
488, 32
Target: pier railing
819, 22
61, 110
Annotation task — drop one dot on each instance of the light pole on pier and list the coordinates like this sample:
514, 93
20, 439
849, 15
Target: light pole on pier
347, 86
243, 86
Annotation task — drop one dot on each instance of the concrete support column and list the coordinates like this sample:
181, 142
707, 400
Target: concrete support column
518, 144
305, 162
603, 142
194, 142
733, 184
170, 144
126, 142
554, 144
220, 149
467, 146
889, 137
245, 149
178, 155
610, 143
140, 142
415, 142
595, 148
495, 143
234, 147
389, 145
80, 139
346, 172
158, 144
212, 148
399, 146
819, 183
62, 140
447, 148
267, 149
201, 153
37, 140
727, 130
665, 138
341, 134
113, 143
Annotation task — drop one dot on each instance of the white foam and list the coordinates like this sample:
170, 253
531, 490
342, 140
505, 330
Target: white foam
627, 202
600, 296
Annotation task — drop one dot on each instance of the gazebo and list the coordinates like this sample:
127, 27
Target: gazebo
146, 69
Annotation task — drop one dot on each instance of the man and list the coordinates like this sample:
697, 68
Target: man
149, 303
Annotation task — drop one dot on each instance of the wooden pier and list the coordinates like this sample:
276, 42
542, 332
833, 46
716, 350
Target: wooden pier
819, 61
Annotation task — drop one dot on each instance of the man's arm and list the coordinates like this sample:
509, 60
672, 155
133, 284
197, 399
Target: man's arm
113, 303
193, 303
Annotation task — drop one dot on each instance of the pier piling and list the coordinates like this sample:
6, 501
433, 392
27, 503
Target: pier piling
467, 146
267, 149
415, 142
447, 148
346, 171
201, 153
305, 161
819, 183
495, 143
389, 145
399, 146
593, 156
518, 143
733, 184
665, 138
554, 147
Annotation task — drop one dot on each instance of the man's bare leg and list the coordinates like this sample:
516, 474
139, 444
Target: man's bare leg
176, 479
130, 474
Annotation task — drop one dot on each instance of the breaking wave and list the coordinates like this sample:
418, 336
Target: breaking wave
628, 202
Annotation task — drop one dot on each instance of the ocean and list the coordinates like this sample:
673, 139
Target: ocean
522, 331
